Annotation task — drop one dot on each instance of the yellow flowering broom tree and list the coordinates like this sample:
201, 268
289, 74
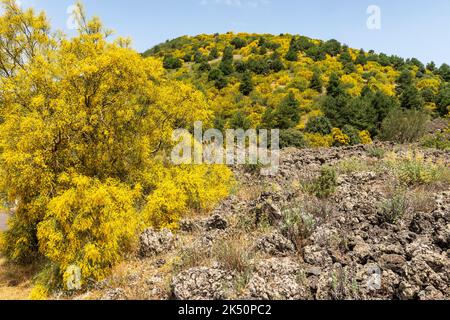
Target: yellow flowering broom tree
85, 126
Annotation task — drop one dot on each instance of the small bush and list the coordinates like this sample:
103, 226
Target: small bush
414, 169
171, 62
39, 292
440, 141
352, 133
404, 126
232, 254
326, 184
365, 137
320, 125
352, 165
393, 209
292, 138
297, 225
91, 225
376, 152
339, 138
317, 140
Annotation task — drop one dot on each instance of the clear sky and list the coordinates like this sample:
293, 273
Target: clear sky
409, 28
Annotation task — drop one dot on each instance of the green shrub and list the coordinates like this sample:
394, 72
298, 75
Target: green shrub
297, 225
320, 125
170, 62
393, 209
414, 169
440, 141
376, 152
326, 184
292, 138
404, 126
352, 133
352, 165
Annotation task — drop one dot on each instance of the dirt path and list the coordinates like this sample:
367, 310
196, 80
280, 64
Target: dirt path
3, 219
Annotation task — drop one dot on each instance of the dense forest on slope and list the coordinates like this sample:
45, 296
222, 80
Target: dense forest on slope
320, 93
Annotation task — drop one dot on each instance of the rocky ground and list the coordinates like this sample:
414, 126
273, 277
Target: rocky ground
274, 239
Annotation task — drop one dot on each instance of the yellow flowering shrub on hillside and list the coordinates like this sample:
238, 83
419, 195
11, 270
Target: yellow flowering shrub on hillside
83, 122
316, 140
365, 137
340, 138
185, 188
89, 225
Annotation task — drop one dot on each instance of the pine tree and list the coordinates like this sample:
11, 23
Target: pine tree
246, 86
316, 81
335, 87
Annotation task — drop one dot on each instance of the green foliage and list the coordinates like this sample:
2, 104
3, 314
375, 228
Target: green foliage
291, 55
376, 152
325, 185
240, 121
297, 225
288, 114
335, 87
238, 43
440, 141
393, 209
213, 54
404, 126
411, 98
320, 125
444, 72
316, 81
362, 87
246, 86
352, 133
414, 169
170, 62
443, 100
292, 138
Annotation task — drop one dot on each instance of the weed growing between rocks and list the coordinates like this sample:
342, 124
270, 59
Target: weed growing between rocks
326, 184
297, 225
393, 209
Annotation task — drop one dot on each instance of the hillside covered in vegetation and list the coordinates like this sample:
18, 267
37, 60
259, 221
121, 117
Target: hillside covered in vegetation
87, 185
320, 93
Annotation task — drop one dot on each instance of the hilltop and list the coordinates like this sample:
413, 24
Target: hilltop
305, 87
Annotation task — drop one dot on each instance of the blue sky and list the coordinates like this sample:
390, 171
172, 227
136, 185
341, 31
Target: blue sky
409, 28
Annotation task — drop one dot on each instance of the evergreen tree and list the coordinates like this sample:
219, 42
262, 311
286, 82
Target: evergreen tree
246, 86
228, 54
362, 58
411, 98
404, 81
316, 81
431, 66
238, 43
213, 54
444, 72
287, 115
171, 62
320, 125
443, 100
275, 63
335, 87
